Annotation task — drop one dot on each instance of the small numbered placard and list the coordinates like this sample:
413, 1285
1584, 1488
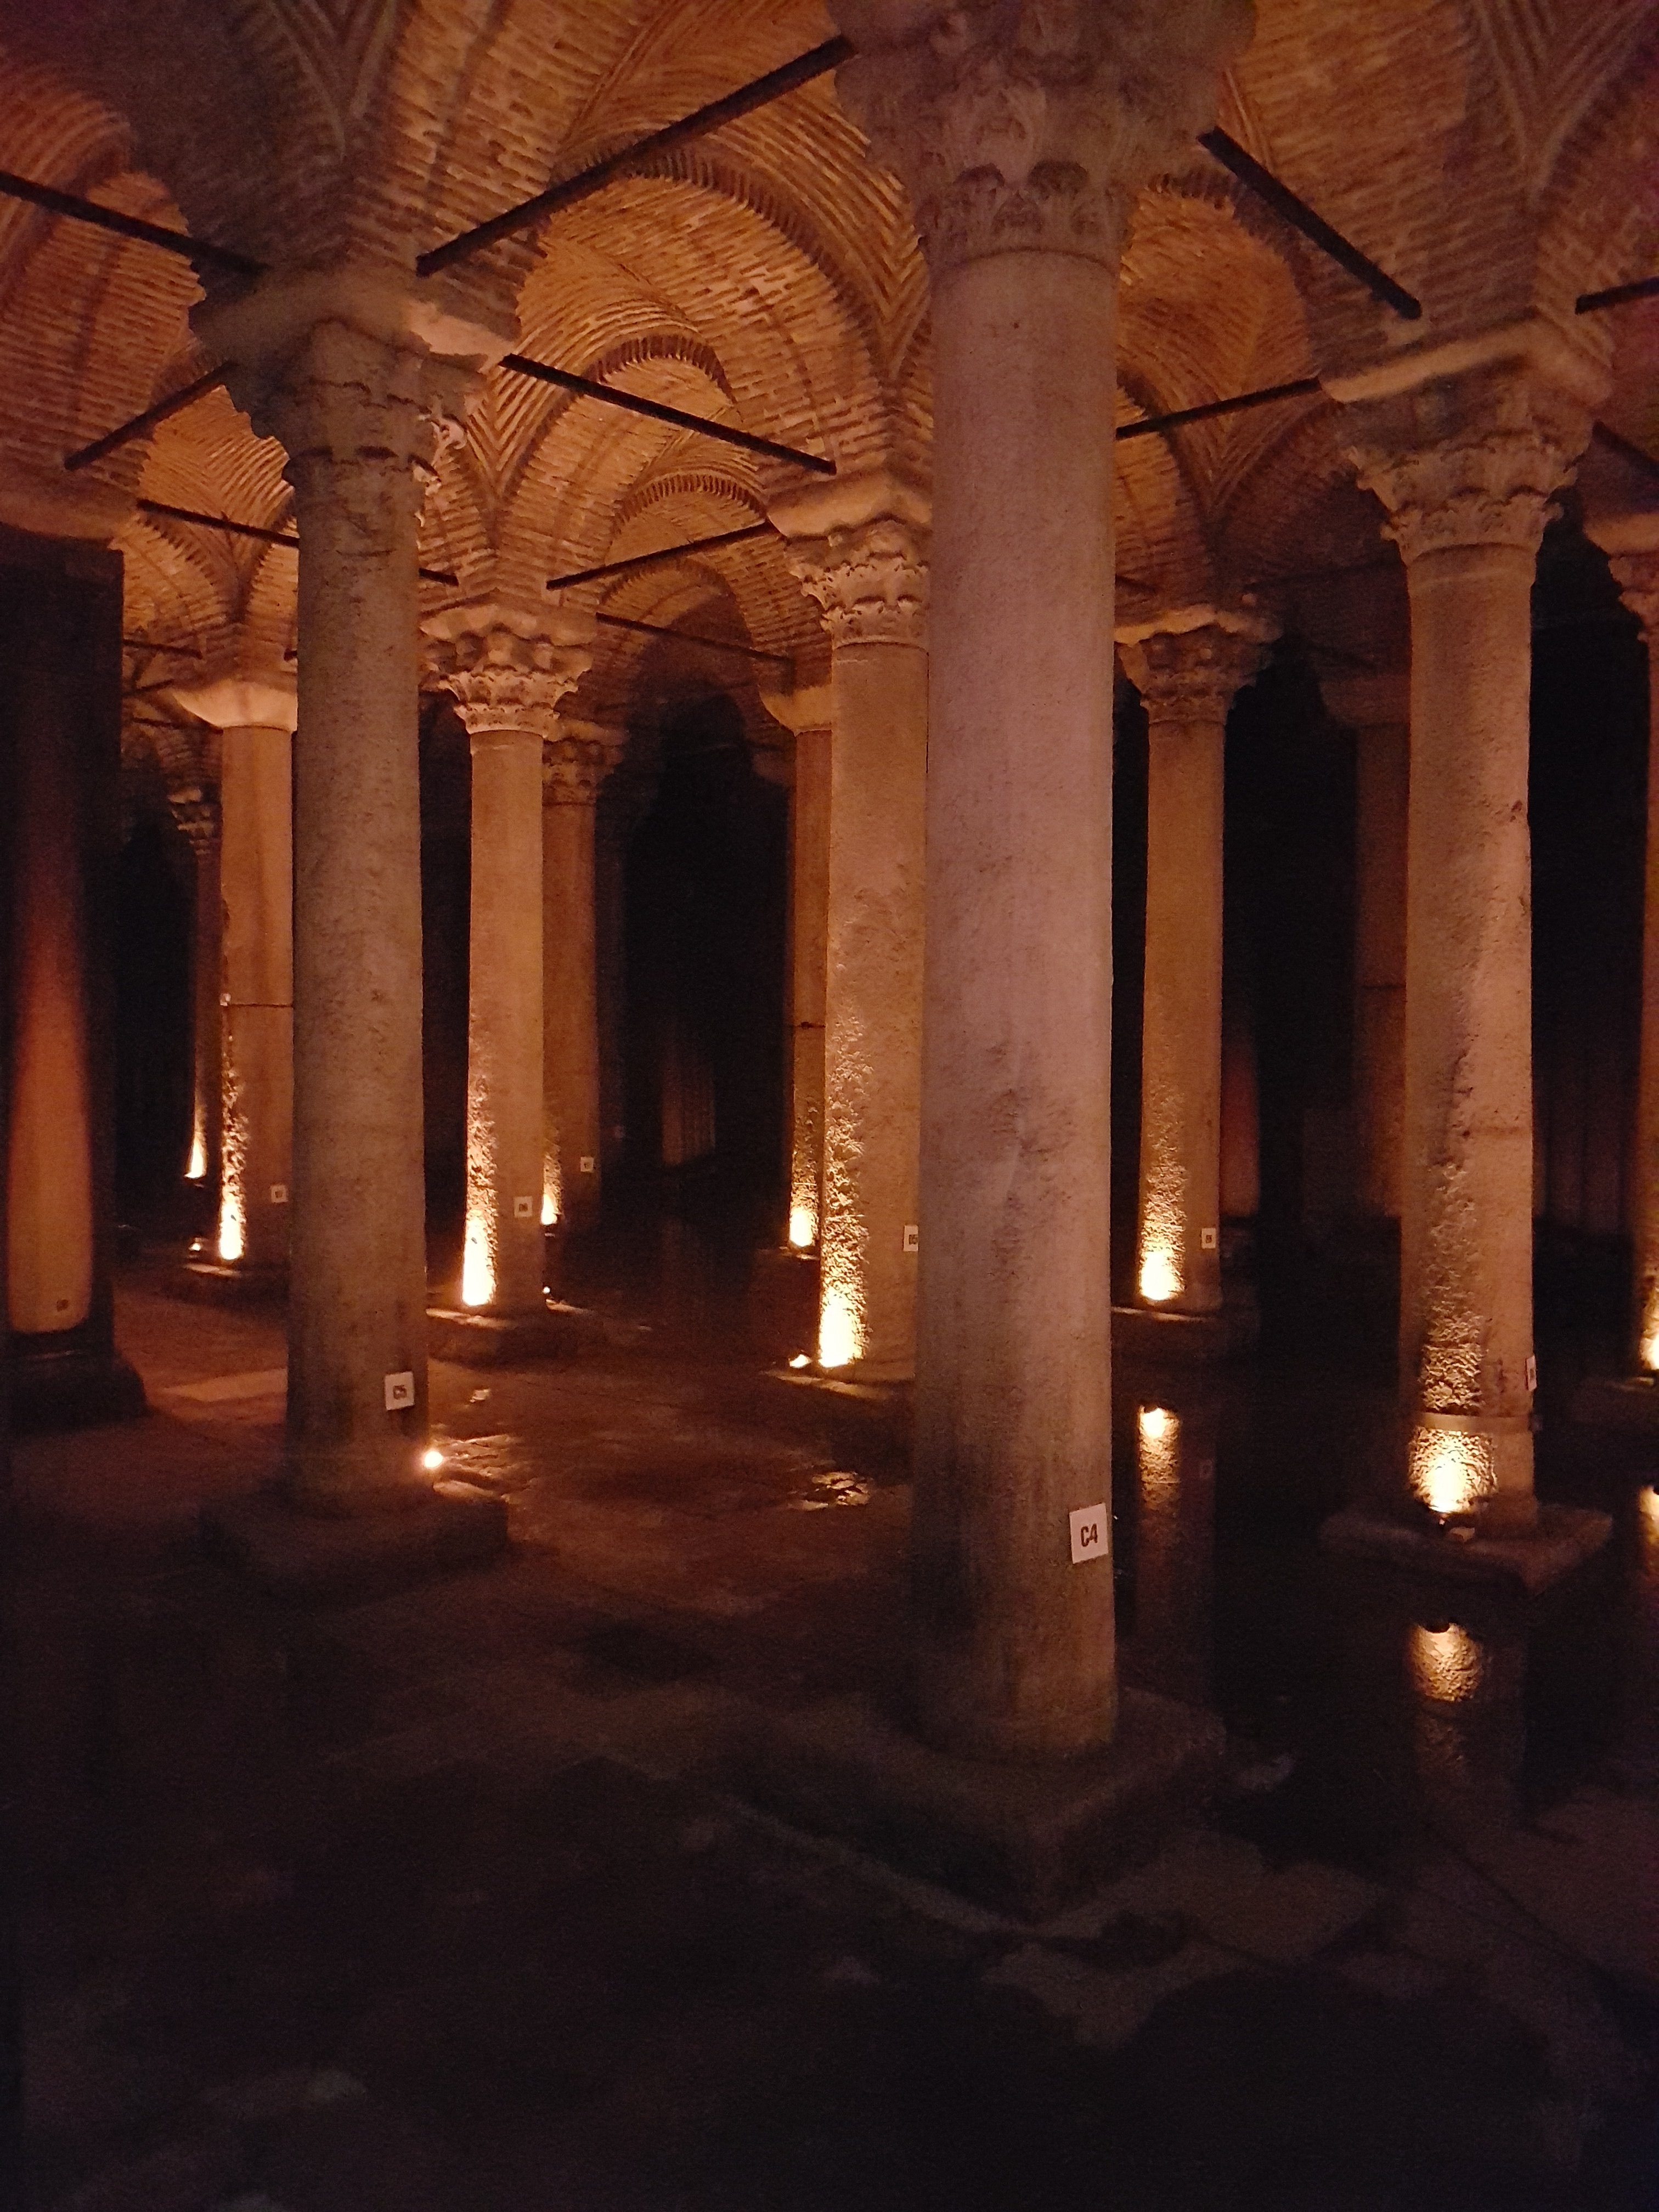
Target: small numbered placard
279, 1194
399, 1391
586, 1164
912, 1237
523, 1209
1208, 1240
1090, 1527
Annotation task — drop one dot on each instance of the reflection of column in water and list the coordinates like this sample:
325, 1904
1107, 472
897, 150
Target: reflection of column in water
1175, 1551
1467, 1729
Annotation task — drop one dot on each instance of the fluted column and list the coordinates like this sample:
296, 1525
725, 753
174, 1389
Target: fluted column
507, 672
575, 764
357, 407
807, 712
1467, 466
1632, 541
1187, 670
1377, 709
1022, 133
255, 716
196, 813
867, 571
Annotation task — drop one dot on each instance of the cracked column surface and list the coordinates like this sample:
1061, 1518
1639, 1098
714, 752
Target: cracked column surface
507, 672
861, 551
332, 366
1632, 542
1377, 710
255, 716
1466, 465
1186, 669
1022, 134
576, 764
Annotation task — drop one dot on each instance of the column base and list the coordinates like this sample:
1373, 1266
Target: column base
78, 1386
1023, 1838
231, 1282
1181, 1340
1618, 1401
315, 1557
1562, 1538
487, 1339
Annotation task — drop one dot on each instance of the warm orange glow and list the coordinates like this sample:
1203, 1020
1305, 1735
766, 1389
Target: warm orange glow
232, 1170
1160, 1278
432, 1459
841, 1333
800, 1360
477, 1261
552, 1188
1447, 1664
1158, 1422
1450, 1470
196, 1169
802, 1227
1647, 1349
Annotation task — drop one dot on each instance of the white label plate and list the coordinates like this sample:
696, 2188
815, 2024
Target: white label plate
1089, 1525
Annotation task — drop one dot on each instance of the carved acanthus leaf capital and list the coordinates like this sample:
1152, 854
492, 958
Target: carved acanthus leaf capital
195, 809
870, 579
1471, 460
1636, 576
573, 768
1031, 124
1191, 673
504, 671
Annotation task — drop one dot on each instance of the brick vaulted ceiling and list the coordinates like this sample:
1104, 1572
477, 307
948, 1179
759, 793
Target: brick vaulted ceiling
1497, 156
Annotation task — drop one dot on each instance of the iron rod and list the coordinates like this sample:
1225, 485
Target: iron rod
586, 388
1591, 303
1303, 388
256, 530
127, 226
125, 433
665, 553
1297, 212
743, 101
686, 637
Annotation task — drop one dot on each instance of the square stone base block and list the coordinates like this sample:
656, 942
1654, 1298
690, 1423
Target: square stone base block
477, 1340
1180, 1339
315, 1558
1565, 1536
1022, 1839
81, 1387
228, 1283
1618, 1401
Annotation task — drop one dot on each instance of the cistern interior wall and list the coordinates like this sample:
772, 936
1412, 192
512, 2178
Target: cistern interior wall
537, 860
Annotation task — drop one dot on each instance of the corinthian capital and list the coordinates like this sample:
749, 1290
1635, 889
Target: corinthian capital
1188, 665
1472, 460
1632, 544
573, 768
1022, 124
505, 670
870, 579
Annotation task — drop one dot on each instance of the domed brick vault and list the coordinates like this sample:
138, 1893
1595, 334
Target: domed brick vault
1497, 159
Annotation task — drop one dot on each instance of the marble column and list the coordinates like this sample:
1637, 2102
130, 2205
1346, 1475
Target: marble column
1466, 465
343, 371
196, 813
255, 716
575, 763
1023, 134
507, 672
1633, 542
1187, 669
861, 551
807, 713
1376, 709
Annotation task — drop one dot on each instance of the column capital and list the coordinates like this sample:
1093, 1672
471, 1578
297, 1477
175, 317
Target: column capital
195, 809
805, 707
860, 549
573, 768
1187, 665
1630, 542
1030, 124
263, 701
507, 670
1472, 459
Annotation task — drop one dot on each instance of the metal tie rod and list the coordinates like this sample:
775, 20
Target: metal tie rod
664, 553
127, 226
254, 529
1300, 216
1591, 303
586, 388
163, 410
1303, 388
743, 101
687, 637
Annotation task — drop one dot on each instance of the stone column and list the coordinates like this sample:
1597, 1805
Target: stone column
331, 364
196, 813
255, 716
507, 672
575, 765
807, 712
1633, 543
1186, 669
1466, 465
1376, 709
1023, 134
861, 551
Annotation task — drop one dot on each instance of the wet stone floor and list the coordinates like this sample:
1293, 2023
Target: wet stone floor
447, 1899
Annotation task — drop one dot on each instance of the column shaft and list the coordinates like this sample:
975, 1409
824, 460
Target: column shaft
1382, 774
257, 889
201, 1163
570, 1064
810, 890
